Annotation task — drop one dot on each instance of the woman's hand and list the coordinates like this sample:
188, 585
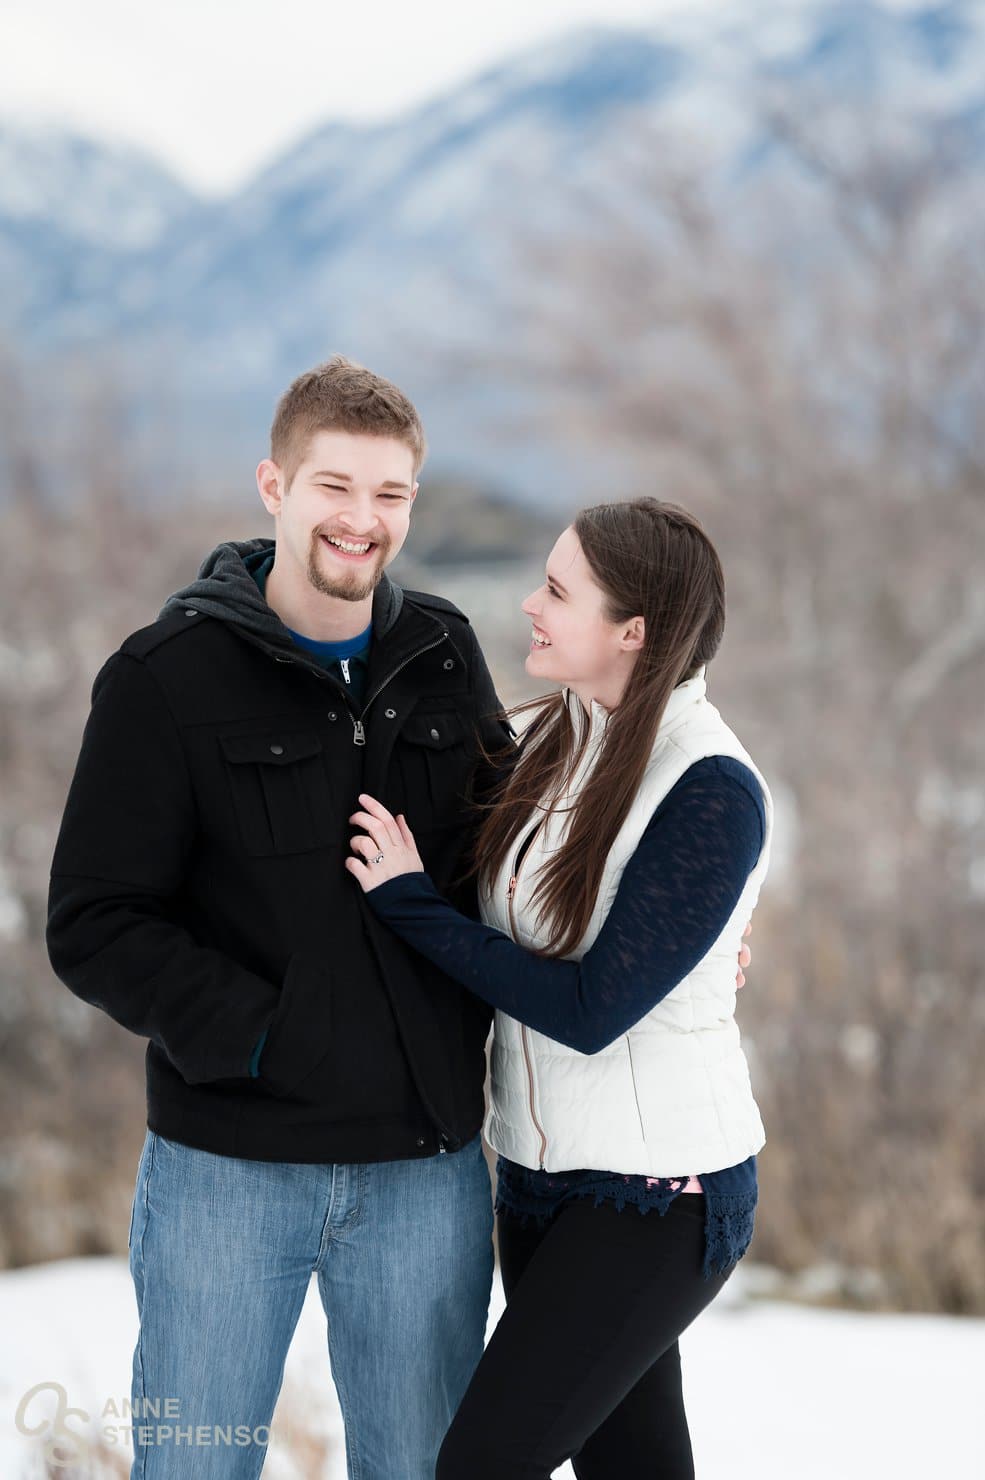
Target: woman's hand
388, 836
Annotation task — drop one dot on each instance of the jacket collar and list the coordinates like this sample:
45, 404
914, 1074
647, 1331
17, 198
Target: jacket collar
681, 701
225, 590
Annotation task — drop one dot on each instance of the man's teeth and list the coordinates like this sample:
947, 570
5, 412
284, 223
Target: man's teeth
540, 641
350, 546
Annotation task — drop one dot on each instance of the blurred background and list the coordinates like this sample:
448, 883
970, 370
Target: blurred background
729, 255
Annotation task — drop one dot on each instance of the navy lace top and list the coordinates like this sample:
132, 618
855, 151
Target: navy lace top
674, 898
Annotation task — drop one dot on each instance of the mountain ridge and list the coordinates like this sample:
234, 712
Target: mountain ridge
383, 238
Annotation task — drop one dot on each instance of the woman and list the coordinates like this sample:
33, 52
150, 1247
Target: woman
623, 851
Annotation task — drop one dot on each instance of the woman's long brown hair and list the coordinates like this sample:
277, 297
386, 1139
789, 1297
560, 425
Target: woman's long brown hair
650, 559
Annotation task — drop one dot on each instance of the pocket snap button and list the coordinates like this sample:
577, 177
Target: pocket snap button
391, 713
332, 714
449, 663
276, 750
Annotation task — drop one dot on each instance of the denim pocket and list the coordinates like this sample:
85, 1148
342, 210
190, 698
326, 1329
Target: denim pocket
138, 1183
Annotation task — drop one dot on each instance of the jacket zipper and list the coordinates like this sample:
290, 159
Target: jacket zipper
359, 738
358, 729
445, 1136
527, 1059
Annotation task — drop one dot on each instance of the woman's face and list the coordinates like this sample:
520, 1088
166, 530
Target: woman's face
571, 642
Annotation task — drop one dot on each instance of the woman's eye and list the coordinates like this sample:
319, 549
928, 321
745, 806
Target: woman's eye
551, 591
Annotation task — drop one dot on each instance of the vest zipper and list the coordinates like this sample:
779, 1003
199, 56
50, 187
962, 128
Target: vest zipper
632, 1075
511, 887
527, 1059
530, 1092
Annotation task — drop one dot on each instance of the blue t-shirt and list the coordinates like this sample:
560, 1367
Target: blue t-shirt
348, 660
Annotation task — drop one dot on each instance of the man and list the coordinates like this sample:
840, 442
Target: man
314, 1088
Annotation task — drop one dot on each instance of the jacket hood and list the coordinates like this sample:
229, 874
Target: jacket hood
225, 589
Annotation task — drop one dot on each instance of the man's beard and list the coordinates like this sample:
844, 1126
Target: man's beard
354, 585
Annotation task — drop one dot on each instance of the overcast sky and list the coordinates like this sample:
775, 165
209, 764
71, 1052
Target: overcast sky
216, 87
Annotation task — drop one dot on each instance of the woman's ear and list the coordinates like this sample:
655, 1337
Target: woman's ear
634, 634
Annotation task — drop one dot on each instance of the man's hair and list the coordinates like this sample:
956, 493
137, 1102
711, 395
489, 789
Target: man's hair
342, 396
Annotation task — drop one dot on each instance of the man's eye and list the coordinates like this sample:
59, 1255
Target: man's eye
398, 496
551, 591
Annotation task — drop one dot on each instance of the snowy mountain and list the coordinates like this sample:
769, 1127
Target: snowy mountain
404, 242
100, 194
72, 213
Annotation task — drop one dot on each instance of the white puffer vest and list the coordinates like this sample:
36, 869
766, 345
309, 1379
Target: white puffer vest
672, 1097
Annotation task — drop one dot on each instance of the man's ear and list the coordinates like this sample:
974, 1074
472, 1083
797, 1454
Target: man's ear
270, 482
634, 635
413, 495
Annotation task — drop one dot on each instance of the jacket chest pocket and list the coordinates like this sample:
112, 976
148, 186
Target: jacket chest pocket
432, 759
281, 794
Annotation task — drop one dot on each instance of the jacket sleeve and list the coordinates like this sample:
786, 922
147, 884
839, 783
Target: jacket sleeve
676, 894
114, 933
489, 724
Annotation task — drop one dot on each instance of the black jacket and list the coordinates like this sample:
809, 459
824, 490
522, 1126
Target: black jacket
198, 890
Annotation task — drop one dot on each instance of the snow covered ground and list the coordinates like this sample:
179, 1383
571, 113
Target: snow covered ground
773, 1390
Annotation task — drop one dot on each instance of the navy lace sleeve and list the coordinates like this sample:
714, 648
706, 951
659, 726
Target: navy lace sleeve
674, 898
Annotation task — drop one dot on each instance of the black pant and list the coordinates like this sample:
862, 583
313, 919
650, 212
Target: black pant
584, 1364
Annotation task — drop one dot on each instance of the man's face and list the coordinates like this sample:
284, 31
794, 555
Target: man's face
346, 513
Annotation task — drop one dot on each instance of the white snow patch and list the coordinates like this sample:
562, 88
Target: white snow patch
772, 1389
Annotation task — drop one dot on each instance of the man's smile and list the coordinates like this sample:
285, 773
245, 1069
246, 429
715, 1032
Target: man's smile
353, 552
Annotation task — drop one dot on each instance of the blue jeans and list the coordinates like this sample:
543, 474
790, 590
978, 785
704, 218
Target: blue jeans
222, 1251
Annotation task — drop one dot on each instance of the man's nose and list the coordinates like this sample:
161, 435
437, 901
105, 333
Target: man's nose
358, 516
